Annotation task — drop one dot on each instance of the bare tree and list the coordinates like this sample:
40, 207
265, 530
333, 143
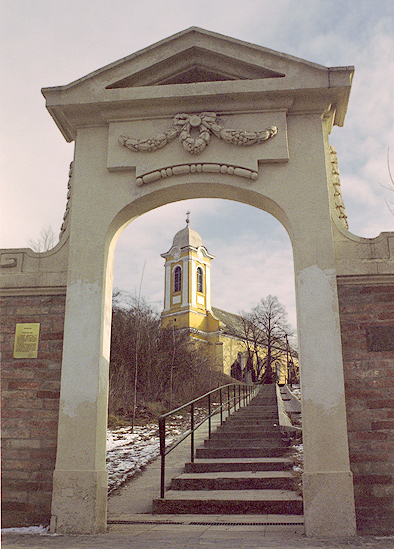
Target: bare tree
390, 203
45, 241
253, 336
150, 364
267, 331
390, 186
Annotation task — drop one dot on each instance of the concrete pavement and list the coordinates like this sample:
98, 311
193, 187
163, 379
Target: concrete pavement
156, 535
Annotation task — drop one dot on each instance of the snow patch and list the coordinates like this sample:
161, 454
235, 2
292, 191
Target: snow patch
130, 450
28, 530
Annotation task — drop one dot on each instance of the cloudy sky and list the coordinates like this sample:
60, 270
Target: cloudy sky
53, 42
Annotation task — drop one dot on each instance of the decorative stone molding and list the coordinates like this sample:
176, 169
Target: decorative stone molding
338, 201
366, 280
196, 168
11, 259
8, 262
205, 123
68, 204
176, 252
29, 291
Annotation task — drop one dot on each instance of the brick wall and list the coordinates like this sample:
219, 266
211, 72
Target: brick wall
30, 408
367, 325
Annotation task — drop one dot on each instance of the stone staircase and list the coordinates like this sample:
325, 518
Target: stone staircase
242, 468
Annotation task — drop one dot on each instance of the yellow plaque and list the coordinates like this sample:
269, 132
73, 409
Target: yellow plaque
26, 340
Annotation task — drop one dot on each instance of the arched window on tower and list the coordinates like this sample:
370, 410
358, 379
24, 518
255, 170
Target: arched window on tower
200, 280
177, 279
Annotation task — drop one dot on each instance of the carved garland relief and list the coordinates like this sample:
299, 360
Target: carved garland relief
336, 182
206, 124
68, 204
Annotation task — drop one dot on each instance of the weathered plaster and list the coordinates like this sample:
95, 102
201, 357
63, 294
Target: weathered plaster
329, 495
317, 290
81, 390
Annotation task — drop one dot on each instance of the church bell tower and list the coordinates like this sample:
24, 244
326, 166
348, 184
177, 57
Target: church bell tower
187, 288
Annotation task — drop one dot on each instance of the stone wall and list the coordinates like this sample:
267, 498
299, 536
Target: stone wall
30, 408
367, 325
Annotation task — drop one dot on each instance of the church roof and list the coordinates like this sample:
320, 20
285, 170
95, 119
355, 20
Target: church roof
232, 324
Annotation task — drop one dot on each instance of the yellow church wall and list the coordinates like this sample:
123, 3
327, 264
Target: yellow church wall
231, 348
191, 319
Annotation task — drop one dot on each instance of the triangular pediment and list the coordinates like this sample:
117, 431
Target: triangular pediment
195, 64
196, 55
173, 75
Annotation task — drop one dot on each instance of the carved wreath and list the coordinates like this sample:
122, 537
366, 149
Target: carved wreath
206, 124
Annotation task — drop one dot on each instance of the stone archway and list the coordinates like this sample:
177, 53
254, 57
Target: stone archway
165, 125
264, 149
142, 143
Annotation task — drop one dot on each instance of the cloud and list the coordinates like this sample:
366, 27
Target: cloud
250, 269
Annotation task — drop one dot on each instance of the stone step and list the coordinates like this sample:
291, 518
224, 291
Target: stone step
240, 434
239, 464
269, 401
229, 502
256, 432
240, 480
264, 397
271, 416
252, 452
244, 443
257, 408
251, 422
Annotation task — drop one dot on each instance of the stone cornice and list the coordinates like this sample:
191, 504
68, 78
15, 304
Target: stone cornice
120, 104
366, 280
33, 291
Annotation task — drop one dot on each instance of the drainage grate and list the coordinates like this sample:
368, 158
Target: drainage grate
206, 523
247, 523
143, 522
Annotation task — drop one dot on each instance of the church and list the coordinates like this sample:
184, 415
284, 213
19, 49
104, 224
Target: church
187, 306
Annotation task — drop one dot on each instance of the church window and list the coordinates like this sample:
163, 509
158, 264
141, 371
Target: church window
200, 280
177, 279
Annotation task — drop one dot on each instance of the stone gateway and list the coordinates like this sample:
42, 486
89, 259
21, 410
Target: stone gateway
200, 115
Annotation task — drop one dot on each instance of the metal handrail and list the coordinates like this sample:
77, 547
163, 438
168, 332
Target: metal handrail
231, 402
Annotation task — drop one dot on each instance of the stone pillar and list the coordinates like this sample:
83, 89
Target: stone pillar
327, 479
79, 499
80, 478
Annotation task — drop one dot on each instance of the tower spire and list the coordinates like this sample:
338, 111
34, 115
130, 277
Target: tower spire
187, 217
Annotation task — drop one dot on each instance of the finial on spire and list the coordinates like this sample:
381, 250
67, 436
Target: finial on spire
188, 217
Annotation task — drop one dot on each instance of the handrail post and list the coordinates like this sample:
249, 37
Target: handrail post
239, 397
162, 434
235, 398
192, 432
228, 401
209, 416
221, 407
